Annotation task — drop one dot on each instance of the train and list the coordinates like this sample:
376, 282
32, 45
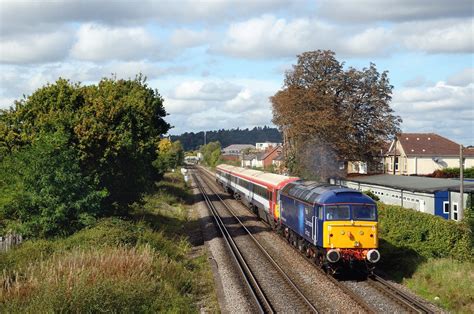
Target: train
336, 227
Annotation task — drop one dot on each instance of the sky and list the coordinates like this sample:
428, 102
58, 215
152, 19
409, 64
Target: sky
216, 63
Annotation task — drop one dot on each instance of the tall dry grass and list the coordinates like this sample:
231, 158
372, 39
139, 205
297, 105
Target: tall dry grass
104, 279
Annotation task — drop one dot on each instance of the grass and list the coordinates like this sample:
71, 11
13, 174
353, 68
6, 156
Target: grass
446, 282
142, 263
430, 256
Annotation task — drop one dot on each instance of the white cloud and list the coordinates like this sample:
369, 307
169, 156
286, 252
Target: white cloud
268, 36
446, 36
392, 10
206, 90
99, 43
35, 48
463, 78
442, 108
369, 42
271, 37
13, 14
204, 105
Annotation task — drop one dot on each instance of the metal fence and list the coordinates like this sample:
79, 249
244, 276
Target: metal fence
9, 241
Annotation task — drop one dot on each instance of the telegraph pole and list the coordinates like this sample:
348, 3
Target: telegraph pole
461, 187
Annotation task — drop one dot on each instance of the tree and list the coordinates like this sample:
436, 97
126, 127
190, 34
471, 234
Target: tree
113, 126
43, 191
211, 153
329, 115
170, 155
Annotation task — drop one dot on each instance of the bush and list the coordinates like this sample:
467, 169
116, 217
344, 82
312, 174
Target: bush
43, 191
452, 173
372, 195
428, 235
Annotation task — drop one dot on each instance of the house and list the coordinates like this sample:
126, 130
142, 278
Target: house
266, 145
262, 159
234, 151
440, 197
423, 153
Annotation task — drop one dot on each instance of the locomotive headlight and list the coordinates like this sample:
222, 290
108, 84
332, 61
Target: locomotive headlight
373, 256
361, 232
342, 232
333, 256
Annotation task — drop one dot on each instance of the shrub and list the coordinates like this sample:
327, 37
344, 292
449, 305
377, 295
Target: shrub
428, 235
43, 192
371, 195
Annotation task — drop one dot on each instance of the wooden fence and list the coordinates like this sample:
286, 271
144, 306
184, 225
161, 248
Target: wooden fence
8, 241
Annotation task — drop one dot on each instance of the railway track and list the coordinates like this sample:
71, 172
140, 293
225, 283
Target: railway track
397, 296
270, 287
411, 304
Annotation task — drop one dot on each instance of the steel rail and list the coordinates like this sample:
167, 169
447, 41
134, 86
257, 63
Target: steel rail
259, 298
355, 297
374, 280
267, 255
398, 295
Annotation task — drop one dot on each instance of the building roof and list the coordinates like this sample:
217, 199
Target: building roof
237, 147
427, 145
249, 157
415, 184
271, 151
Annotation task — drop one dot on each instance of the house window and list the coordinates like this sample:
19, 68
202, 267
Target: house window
455, 211
396, 163
445, 207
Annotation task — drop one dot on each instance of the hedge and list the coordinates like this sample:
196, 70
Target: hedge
430, 236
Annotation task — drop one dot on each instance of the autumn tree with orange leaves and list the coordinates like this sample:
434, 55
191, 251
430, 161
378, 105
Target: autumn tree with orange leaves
330, 115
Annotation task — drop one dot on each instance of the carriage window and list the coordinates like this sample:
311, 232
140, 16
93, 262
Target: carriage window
320, 214
363, 212
338, 212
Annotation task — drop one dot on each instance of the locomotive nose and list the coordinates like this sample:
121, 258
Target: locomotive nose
373, 256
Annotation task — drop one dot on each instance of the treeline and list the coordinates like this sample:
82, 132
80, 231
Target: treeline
70, 154
192, 141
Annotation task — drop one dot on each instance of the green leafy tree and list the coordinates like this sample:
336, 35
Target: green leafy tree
211, 153
43, 191
113, 126
170, 155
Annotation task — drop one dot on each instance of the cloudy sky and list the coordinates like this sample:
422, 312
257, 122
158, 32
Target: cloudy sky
217, 62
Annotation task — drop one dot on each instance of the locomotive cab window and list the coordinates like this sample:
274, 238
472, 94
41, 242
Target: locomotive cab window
363, 212
338, 212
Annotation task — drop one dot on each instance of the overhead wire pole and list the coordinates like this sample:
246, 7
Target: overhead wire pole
461, 186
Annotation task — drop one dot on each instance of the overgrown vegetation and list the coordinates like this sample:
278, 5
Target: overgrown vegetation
430, 236
445, 282
452, 173
432, 256
211, 153
136, 264
70, 154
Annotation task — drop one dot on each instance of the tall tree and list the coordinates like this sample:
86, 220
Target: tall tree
114, 126
330, 115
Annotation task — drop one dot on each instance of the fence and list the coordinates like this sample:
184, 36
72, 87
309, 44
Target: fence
8, 241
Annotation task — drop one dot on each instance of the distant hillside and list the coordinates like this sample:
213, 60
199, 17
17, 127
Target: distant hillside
191, 141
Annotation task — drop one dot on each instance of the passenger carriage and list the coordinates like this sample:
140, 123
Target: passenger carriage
258, 190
